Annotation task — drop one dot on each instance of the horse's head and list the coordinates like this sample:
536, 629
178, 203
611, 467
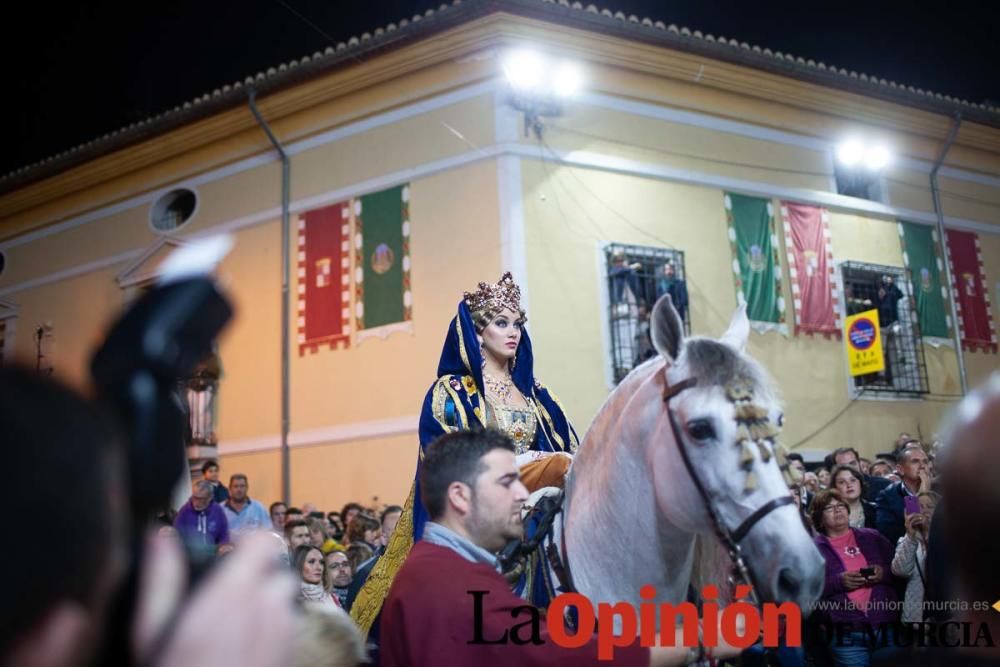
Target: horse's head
728, 423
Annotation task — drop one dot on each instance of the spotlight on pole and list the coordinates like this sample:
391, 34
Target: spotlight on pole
539, 85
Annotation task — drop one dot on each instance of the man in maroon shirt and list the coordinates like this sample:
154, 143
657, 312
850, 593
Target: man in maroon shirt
448, 604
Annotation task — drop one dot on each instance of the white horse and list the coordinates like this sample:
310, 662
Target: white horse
634, 514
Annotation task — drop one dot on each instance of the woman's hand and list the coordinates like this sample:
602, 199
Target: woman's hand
876, 577
916, 526
852, 580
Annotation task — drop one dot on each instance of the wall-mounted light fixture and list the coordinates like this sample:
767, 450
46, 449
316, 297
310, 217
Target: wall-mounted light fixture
539, 85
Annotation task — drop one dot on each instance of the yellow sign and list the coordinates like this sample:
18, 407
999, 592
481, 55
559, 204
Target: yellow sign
864, 343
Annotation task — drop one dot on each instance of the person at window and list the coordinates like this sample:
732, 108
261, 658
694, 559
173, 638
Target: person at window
676, 287
485, 378
887, 298
643, 341
623, 273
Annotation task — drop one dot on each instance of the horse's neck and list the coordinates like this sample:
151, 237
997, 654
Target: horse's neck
616, 537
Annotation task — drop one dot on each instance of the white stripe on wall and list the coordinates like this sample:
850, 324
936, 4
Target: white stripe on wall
582, 159
328, 435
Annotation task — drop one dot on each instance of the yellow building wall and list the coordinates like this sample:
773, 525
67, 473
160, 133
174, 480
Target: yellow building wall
454, 243
570, 213
78, 310
374, 472
687, 147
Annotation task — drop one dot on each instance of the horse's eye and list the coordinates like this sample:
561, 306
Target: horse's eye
701, 429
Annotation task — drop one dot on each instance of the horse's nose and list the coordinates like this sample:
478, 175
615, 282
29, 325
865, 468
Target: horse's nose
789, 584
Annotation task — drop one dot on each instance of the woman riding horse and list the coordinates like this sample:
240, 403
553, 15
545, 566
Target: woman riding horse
485, 378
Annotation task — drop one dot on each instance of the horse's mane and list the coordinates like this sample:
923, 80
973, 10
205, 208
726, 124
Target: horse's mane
715, 363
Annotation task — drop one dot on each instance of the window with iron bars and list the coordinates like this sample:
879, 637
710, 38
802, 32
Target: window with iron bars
637, 276
885, 289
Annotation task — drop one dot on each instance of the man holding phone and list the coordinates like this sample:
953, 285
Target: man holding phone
890, 513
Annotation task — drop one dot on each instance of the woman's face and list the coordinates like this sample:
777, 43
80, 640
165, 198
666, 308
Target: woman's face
371, 536
316, 537
823, 475
848, 485
312, 568
926, 505
502, 336
836, 516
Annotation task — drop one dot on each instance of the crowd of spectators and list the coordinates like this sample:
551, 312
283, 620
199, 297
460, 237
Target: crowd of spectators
873, 521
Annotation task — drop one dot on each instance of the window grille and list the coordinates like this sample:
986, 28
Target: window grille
636, 278
866, 288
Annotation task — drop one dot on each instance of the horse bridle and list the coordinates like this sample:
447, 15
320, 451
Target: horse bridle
730, 539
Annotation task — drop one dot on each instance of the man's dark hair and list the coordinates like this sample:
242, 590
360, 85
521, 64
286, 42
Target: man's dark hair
237, 476
387, 511
292, 525
211, 463
293, 510
831, 459
276, 503
78, 457
795, 456
456, 457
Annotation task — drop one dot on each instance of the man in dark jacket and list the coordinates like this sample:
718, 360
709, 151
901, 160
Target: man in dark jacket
890, 513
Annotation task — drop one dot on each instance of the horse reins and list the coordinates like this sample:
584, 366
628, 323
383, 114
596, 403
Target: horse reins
730, 539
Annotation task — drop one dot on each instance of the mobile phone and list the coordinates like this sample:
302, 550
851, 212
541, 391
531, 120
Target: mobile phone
911, 504
867, 572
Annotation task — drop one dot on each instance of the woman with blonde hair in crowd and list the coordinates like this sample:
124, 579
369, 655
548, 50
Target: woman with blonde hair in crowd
910, 560
308, 563
319, 536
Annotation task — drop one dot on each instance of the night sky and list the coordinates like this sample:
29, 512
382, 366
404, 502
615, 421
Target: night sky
79, 71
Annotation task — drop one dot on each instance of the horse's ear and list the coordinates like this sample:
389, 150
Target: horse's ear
739, 329
667, 328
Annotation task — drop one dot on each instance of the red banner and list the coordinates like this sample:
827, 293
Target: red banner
810, 263
969, 285
324, 278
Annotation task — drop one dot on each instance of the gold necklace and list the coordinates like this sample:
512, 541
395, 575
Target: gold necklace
501, 388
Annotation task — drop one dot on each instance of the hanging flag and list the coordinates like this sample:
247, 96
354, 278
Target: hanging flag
324, 258
383, 299
810, 265
922, 258
755, 260
975, 317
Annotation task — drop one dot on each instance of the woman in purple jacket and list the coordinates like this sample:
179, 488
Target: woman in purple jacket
859, 590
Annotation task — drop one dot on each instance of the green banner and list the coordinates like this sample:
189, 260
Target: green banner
383, 288
922, 257
755, 255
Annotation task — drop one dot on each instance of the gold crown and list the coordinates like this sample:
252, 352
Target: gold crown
492, 298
